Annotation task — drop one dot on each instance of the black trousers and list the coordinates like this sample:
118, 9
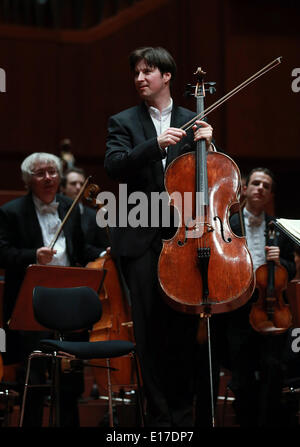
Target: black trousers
174, 367
258, 371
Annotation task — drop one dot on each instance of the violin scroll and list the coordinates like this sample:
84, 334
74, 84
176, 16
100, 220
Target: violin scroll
90, 195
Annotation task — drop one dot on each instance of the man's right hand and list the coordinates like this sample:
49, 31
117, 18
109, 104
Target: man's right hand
170, 137
44, 255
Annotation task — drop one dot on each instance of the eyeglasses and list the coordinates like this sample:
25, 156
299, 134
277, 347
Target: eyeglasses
41, 173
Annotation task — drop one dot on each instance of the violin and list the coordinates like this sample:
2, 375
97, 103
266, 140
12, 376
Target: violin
212, 267
270, 314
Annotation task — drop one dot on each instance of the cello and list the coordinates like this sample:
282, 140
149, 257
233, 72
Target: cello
204, 244
212, 266
270, 314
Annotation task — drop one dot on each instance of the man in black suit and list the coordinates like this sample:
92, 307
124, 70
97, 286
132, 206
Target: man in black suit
141, 142
27, 227
256, 360
71, 183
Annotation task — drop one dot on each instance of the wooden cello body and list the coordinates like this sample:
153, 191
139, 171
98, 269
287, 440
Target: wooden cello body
224, 280
114, 324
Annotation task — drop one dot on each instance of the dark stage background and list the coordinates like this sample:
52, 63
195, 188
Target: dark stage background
64, 78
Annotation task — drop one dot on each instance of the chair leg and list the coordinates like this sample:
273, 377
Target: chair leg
25, 391
54, 414
55, 386
110, 403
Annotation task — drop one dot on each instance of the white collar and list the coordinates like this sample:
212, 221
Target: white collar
156, 113
40, 205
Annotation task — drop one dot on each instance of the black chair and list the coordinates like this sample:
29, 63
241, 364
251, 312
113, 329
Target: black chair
65, 310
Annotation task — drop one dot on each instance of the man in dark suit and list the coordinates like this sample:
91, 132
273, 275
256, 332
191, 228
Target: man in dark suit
71, 183
141, 142
256, 360
27, 227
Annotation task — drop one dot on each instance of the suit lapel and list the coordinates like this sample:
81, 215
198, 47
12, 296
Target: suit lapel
62, 211
62, 208
147, 123
177, 120
150, 132
33, 229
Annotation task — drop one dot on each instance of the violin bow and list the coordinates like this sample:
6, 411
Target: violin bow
240, 87
76, 200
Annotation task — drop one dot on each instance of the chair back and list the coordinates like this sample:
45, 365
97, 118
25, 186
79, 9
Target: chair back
66, 309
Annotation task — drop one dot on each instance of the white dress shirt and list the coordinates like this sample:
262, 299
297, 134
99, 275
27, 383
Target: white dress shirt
161, 121
50, 221
256, 239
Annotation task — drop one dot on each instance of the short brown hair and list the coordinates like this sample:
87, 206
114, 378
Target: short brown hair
266, 171
155, 57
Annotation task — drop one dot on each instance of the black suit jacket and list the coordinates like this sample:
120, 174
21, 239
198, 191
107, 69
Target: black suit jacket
93, 234
20, 236
133, 157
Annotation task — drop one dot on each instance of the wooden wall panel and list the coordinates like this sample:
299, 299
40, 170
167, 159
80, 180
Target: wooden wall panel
264, 118
65, 84
262, 122
28, 108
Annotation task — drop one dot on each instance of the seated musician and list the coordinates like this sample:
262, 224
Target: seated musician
71, 183
256, 359
27, 227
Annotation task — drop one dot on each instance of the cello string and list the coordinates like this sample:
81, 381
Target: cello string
240, 87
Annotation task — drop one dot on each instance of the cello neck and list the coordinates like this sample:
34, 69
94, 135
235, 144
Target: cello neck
201, 168
202, 199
